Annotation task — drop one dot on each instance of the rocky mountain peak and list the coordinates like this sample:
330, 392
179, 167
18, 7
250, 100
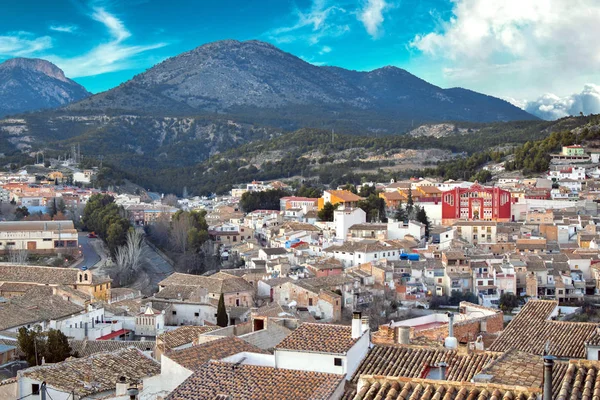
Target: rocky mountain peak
36, 65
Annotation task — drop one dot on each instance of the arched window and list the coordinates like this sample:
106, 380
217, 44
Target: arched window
85, 277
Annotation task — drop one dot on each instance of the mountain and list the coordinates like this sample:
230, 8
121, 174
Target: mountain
28, 84
257, 80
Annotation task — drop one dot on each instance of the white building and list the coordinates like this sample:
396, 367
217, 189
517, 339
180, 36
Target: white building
397, 230
343, 219
336, 349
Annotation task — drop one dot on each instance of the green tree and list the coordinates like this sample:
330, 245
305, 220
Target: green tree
326, 213
57, 347
410, 203
424, 219
32, 344
222, 318
508, 302
400, 215
21, 212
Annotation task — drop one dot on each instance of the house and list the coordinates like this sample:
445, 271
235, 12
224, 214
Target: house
81, 280
344, 198
243, 380
236, 291
180, 338
302, 203
314, 295
345, 218
271, 253
96, 376
38, 237
335, 349
476, 232
325, 267
354, 253
368, 231
150, 322
534, 328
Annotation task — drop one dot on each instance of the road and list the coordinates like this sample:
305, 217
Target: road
90, 257
155, 266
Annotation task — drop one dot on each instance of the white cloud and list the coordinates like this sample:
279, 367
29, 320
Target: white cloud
63, 28
372, 16
23, 44
114, 55
312, 24
515, 45
325, 50
549, 106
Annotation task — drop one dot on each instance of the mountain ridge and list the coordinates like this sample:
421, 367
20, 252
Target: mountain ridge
32, 84
232, 77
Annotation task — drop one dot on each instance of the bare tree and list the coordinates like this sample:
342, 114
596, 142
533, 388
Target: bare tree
18, 257
170, 200
179, 233
128, 257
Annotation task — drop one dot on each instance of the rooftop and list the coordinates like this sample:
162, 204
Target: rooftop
193, 358
183, 335
217, 380
43, 275
94, 374
532, 329
217, 283
319, 338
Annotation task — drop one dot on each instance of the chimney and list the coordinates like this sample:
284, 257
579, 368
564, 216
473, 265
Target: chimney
548, 365
442, 366
133, 392
403, 334
451, 342
121, 387
356, 325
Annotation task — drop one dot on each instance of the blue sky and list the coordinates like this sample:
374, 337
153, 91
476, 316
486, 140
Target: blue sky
539, 54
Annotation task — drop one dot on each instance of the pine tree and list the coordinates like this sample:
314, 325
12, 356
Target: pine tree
222, 318
57, 347
422, 218
401, 214
410, 203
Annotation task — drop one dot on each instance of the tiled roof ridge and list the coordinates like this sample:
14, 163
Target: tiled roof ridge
457, 384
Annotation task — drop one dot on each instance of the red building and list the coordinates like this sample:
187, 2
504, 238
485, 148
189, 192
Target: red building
476, 203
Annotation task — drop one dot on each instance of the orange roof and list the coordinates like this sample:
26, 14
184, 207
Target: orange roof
429, 189
390, 196
345, 195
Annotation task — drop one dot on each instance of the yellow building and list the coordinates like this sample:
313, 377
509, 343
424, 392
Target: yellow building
82, 280
345, 198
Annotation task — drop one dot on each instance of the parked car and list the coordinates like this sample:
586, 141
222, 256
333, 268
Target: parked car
92, 235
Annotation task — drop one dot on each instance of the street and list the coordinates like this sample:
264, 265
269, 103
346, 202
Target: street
90, 257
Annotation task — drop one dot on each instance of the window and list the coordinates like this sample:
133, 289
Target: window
10, 243
337, 362
35, 389
173, 312
196, 314
310, 302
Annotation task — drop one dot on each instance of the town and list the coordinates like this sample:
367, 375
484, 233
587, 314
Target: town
417, 286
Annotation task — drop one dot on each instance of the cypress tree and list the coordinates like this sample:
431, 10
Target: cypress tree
222, 318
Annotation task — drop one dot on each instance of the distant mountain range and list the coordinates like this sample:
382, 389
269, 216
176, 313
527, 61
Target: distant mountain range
257, 79
28, 84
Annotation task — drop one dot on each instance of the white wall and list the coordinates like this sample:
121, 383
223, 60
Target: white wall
316, 362
345, 218
323, 362
172, 374
186, 314
592, 353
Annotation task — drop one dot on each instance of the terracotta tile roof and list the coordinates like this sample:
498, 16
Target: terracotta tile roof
217, 283
193, 358
267, 339
101, 371
182, 335
248, 382
378, 387
414, 362
37, 304
532, 328
324, 263
345, 195
85, 348
516, 368
43, 275
321, 338
273, 310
